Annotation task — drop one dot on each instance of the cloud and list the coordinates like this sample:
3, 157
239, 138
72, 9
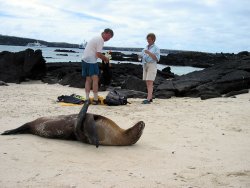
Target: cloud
205, 25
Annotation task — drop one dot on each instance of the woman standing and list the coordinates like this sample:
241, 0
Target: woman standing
150, 56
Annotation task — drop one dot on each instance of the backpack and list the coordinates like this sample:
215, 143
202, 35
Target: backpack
114, 98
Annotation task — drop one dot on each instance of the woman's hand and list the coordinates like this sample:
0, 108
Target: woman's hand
151, 55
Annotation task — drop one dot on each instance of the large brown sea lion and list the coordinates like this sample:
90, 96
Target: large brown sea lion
86, 127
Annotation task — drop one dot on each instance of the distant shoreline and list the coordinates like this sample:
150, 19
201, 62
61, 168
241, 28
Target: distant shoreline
19, 41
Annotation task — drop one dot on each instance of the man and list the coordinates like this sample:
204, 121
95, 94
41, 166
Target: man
90, 69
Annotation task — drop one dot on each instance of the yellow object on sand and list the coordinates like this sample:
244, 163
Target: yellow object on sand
68, 104
101, 99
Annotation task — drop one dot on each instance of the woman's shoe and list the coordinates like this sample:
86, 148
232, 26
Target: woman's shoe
147, 101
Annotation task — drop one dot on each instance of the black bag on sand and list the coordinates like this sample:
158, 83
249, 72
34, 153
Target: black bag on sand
70, 99
114, 98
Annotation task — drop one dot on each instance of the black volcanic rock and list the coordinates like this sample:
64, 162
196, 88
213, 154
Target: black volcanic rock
194, 59
124, 75
215, 81
19, 66
65, 74
186, 58
134, 83
64, 50
228, 77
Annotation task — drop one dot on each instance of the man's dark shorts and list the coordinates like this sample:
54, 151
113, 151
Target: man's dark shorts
90, 69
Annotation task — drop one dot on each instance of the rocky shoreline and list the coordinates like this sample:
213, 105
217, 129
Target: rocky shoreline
224, 74
193, 59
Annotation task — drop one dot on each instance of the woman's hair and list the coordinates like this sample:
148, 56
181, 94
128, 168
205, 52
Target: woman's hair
152, 36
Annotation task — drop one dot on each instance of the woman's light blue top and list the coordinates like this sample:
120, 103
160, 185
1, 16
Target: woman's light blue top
153, 49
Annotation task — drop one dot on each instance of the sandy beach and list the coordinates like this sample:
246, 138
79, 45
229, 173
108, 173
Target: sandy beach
187, 142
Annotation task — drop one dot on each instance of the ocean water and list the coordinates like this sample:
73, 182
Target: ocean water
51, 56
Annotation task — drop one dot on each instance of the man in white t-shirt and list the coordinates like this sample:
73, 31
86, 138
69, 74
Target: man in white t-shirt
90, 69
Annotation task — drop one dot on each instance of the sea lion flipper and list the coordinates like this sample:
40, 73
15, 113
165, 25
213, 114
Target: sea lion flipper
20, 130
80, 121
85, 127
90, 130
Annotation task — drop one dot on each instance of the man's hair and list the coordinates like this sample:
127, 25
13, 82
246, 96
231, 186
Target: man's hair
107, 30
152, 36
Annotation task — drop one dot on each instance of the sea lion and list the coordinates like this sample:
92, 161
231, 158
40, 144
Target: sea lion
85, 127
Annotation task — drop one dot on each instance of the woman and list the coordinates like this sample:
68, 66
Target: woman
150, 56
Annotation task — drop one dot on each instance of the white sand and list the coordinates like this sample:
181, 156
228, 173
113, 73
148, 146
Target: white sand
187, 142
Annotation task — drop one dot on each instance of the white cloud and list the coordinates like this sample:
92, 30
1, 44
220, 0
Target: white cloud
205, 25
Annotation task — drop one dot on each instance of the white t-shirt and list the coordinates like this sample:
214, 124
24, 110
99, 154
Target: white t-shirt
93, 46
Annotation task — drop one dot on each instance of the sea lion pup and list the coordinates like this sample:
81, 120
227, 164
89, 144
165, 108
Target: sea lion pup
85, 127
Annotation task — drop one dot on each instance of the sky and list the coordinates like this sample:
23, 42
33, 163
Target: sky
196, 25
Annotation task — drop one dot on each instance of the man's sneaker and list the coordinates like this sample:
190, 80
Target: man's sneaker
94, 102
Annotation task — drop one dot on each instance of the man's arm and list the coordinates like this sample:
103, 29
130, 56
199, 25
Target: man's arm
102, 57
